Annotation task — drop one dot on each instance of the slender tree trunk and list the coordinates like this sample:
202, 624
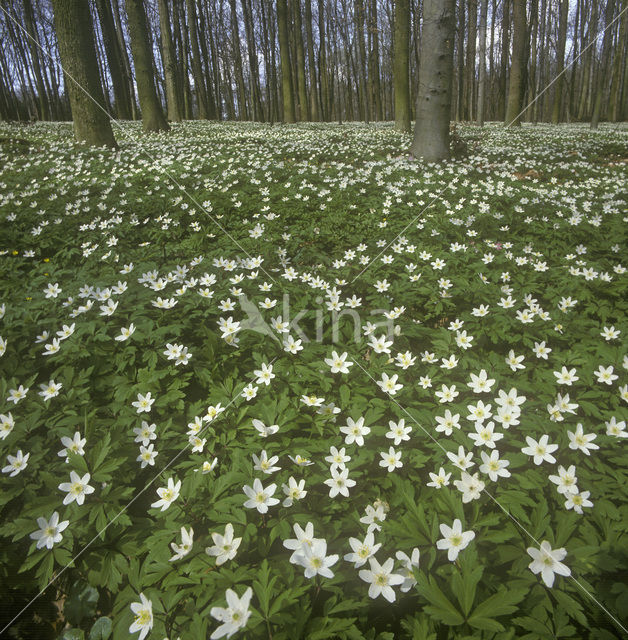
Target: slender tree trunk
73, 23
619, 61
256, 100
482, 77
604, 64
33, 45
314, 111
460, 63
362, 61
560, 60
170, 64
401, 65
374, 71
237, 62
517, 68
197, 66
284, 53
152, 115
503, 78
206, 70
431, 131
322, 62
472, 26
303, 104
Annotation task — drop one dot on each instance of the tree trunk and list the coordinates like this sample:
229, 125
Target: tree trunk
482, 77
243, 113
73, 23
460, 63
431, 131
152, 115
284, 54
258, 113
374, 71
560, 60
503, 77
604, 64
34, 47
472, 26
170, 64
401, 65
311, 62
322, 62
303, 104
517, 68
365, 110
197, 66
619, 62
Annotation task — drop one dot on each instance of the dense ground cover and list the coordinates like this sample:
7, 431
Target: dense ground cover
243, 355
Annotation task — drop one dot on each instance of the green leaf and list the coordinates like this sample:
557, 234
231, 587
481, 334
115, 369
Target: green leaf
499, 604
101, 630
441, 607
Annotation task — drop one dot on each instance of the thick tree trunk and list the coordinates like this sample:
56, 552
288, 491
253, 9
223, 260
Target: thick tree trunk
243, 112
517, 68
365, 109
303, 104
153, 118
560, 60
431, 131
482, 76
401, 65
619, 62
284, 53
73, 23
171, 79
197, 66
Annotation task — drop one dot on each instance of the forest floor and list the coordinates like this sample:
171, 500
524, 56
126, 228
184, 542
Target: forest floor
415, 343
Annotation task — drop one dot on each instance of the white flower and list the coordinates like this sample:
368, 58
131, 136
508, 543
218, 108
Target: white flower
337, 458
145, 434
389, 384
398, 431
77, 488
440, 479
72, 445
565, 376
577, 501
613, 428
315, 560
494, 466
225, 547
470, 486
481, 383
541, 450
235, 616
265, 464
408, 564
49, 531
167, 495
514, 362
381, 579
338, 364
582, 441
50, 390
548, 562
566, 480
16, 464
260, 498
355, 431
143, 616
605, 375
391, 460
143, 403
125, 333
264, 375
362, 551
339, 483
181, 550
304, 538
294, 491
147, 456
454, 539
375, 515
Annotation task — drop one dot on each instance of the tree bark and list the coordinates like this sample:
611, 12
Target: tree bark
460, 63
73, 23
284, 54
560, 60
503, 78
153, 118
171, 79
374, 71
401, 65
322, 62
619, 62
472, 26
314, 111
431, 131
517, 68
482, 76
256, 100
604, 64
33, 45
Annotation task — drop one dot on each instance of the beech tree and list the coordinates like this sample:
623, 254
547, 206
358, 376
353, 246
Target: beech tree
73, 25
431, 130
401, 65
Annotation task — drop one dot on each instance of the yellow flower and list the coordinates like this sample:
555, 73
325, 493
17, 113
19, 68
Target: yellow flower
15, 252
46, 260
